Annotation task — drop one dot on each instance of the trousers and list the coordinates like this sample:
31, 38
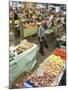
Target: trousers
43, 43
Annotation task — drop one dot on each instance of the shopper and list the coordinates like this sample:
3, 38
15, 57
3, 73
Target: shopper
16, 17
41, 37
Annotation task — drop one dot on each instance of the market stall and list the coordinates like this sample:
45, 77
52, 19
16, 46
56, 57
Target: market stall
29, 30
23, 59
49, 72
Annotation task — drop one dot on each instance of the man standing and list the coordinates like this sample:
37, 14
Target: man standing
41, 36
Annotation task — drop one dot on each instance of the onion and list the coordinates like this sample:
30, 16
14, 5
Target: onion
36, 84
17, 84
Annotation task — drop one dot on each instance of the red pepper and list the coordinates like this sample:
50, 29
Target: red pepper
60, 52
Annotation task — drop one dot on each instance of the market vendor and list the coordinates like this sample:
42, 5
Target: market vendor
41, 37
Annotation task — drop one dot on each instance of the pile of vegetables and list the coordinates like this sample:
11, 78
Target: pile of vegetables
52, 68
57, 59
20, 49
23, 47
60, 52
41, 81
30, 25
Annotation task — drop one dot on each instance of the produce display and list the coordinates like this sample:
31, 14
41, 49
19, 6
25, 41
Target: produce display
57, 59
29, 29
49, 31
19, 49
30, 25
41, 81
47, 72
22, 47
61, 53
52, 68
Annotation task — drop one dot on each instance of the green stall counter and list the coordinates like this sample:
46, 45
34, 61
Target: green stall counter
30, 31
23, 62
49, 31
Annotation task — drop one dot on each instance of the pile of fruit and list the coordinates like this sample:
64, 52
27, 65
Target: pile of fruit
57, 59
22, 47
41, 81
31, 25
52, 68
60, 52
27, 45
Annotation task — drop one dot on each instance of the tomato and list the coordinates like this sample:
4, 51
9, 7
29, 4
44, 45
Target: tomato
60, 52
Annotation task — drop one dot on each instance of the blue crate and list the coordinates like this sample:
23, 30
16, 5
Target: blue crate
27, 84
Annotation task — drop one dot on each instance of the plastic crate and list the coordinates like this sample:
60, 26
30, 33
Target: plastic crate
27, 84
